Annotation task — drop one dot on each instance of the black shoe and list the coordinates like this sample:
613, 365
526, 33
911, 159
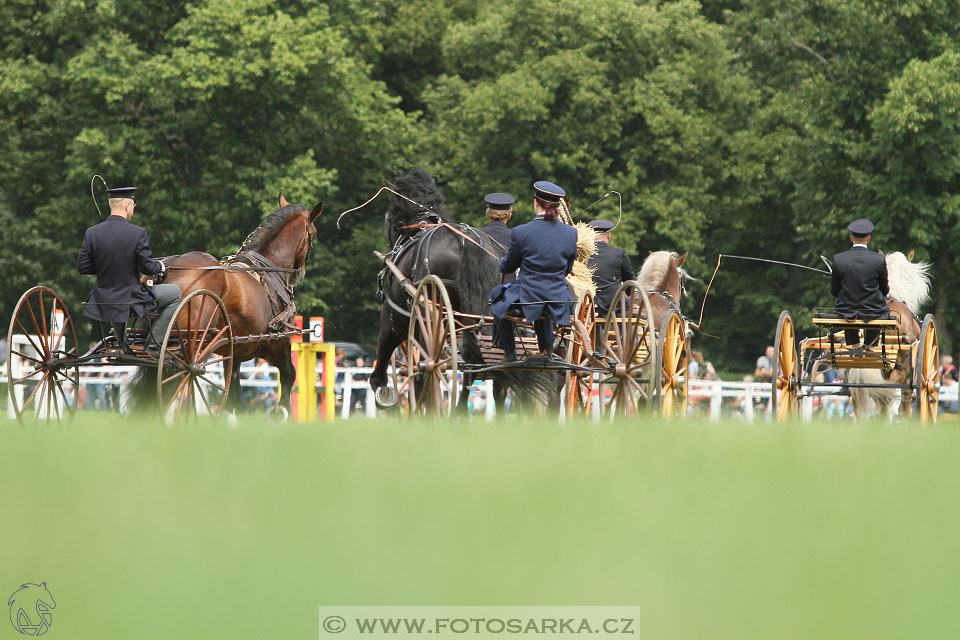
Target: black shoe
509, 356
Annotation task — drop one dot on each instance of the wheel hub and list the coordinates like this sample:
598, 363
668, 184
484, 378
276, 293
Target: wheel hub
620, 371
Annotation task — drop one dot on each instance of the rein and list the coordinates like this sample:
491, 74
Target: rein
425, 225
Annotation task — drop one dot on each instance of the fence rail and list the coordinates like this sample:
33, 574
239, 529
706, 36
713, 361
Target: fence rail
355, 397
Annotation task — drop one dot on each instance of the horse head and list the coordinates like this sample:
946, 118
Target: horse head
663, 272
420, 197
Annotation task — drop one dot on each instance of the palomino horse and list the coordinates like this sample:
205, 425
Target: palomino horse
662, 276
909, 289
255, 301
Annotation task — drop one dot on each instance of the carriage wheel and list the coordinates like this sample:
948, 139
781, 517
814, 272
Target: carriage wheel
40, 375
785, 387
401, 379
579, 386
630, 345
673, 354
928, 371
432, 341
196, 359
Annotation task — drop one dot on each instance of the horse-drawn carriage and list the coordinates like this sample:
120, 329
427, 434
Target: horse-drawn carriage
436, 327
902, 361
231, 310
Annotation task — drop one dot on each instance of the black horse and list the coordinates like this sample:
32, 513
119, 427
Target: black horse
468, 270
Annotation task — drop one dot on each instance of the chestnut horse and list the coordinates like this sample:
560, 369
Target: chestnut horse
662, 276
282, 240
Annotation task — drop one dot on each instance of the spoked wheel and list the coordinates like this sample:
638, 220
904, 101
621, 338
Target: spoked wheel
785, 387
41, 342
631, 346
432, 344
583, 334
673, 354
399, 364
196, 360
928, 371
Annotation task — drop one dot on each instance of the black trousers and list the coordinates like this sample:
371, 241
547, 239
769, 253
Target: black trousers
504, 331
852, 336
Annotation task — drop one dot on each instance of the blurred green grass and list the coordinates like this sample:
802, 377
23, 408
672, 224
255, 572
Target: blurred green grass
715, 531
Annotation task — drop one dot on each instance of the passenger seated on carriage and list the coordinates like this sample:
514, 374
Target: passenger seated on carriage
117, 252
860, 283
610, 264
544, 250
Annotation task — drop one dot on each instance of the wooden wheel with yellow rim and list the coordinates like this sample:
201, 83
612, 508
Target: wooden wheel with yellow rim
673, 354
928, 371
785, 386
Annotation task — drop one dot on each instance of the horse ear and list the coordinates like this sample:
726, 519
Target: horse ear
649, 253
317, 210
389, 184
682, 258
880, 251
281, 201
910, 256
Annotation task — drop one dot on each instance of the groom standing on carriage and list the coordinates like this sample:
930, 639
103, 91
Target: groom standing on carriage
860, 283
544, 251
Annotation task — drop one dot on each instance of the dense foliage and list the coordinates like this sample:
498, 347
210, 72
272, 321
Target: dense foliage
756, 129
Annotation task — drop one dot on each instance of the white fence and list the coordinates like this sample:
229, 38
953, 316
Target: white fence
710, 399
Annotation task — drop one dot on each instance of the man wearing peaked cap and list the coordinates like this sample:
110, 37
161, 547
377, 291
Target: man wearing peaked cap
859, 281
117, 252
544, 251
499, 212
610, 264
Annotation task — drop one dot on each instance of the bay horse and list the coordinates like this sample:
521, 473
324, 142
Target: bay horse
255, 301
909, 290
466, 261
662, 276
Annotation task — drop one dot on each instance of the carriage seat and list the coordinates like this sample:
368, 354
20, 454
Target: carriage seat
108, 331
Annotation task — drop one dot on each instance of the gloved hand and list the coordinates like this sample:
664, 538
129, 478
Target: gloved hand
160, 277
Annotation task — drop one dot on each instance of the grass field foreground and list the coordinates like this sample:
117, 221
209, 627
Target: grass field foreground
715, 531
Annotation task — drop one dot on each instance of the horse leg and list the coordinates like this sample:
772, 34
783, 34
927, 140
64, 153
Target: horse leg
277, 354
387, 343
500, 397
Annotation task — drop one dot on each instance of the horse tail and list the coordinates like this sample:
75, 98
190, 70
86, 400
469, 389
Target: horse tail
142, 390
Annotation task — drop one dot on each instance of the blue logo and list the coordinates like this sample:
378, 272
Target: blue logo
31, 609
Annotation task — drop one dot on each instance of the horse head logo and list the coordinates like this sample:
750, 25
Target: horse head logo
31, 609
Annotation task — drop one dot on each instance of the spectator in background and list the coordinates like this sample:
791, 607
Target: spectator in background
764, 367
951, 405
947, 368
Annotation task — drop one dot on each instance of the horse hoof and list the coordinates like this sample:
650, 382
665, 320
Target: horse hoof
277, 415
386, 397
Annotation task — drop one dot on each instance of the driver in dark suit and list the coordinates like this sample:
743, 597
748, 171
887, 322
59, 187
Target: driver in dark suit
544, 250
117, 252
499, 212
859, 281
611, 266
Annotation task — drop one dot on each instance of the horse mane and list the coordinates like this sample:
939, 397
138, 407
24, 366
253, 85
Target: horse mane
269, 227
909, 281
421, 187
655, 268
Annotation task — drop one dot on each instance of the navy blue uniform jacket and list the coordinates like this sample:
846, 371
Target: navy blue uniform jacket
544, 251
612, 270
117, 252
860, 283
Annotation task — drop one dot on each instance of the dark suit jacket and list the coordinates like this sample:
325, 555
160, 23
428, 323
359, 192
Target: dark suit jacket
612, 270
117, 252
860, 283
499, 231
544, 251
